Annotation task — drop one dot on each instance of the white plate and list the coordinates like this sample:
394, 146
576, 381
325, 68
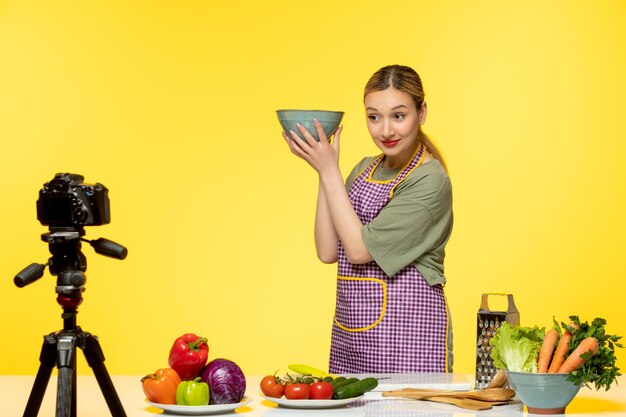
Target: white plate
200, 410
283, 402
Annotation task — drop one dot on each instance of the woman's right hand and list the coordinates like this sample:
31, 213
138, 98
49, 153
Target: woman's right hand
322, 155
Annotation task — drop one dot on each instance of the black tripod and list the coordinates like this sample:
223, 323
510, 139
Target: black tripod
68, 263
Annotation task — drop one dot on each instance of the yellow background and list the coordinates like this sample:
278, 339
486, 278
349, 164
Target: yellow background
171, 106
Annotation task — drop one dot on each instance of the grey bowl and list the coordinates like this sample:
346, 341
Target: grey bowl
329, 119
543, 393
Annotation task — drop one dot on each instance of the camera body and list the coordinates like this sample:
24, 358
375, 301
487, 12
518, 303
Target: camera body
66, 202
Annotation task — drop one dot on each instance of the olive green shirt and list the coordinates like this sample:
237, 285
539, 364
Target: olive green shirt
415, 225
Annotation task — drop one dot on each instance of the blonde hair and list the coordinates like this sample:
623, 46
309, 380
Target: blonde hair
404, 79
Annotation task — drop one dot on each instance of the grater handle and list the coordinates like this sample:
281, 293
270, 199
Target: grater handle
512, 308
484, 303
512, 315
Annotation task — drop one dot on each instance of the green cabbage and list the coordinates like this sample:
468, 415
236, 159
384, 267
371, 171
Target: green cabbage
516, 348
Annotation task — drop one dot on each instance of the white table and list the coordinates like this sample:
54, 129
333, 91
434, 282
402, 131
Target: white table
14, 392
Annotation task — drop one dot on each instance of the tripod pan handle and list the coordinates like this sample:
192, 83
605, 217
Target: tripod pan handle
29, 274
109, 248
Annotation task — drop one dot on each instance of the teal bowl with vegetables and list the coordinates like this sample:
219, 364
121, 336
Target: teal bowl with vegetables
543, 393
329, 119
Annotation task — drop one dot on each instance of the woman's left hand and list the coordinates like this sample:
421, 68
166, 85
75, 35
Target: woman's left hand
322, 155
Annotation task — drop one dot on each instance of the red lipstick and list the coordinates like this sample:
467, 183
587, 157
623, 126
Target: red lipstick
390, 143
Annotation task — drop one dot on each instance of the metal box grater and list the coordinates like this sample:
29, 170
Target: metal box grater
488, 323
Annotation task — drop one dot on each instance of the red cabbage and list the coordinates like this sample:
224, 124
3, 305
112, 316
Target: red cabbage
227, 384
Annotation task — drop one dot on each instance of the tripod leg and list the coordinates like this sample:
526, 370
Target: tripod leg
47, 359
95, 359
64, 393
66, 363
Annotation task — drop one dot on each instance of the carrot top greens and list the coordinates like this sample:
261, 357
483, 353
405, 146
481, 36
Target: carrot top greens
599, 369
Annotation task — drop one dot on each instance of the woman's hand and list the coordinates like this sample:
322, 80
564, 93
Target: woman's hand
323, 155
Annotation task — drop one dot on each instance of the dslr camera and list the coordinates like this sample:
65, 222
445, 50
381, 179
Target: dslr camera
66, 202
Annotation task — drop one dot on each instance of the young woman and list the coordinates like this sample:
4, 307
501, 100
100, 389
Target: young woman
387, 228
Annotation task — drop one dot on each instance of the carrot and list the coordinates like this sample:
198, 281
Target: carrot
547, 348
574, 361
559, 354
562, 348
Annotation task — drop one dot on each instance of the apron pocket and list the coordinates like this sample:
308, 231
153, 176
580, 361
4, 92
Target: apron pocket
361, 303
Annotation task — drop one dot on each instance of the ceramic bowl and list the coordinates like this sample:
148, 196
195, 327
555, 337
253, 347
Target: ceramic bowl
543, 393
329, 119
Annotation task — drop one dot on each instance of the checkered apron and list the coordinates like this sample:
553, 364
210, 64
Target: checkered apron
385, 324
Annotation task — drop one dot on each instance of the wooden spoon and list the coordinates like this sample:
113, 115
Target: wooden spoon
492, 394
466, 403
499, 380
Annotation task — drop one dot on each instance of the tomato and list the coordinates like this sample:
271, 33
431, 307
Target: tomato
297, 392
271, 387
320, 391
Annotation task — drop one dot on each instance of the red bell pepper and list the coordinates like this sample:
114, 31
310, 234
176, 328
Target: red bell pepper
188, 355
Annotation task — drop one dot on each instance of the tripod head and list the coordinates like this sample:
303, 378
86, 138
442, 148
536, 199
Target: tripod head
68, 262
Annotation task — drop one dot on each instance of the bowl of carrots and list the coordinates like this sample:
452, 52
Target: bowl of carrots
543, 393
548, 368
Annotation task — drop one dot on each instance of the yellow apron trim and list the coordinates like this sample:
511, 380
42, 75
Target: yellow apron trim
370, 177
383, 309
375, 160
447, 344
419, 163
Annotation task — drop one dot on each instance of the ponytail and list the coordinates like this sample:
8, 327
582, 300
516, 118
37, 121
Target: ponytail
425, 139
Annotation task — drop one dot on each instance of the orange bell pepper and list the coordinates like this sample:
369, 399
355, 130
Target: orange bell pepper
160, 387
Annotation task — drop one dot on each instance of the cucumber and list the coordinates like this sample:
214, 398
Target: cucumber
355, 389
342, 383
337, 380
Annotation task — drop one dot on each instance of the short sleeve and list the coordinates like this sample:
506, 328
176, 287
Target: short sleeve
414, 226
